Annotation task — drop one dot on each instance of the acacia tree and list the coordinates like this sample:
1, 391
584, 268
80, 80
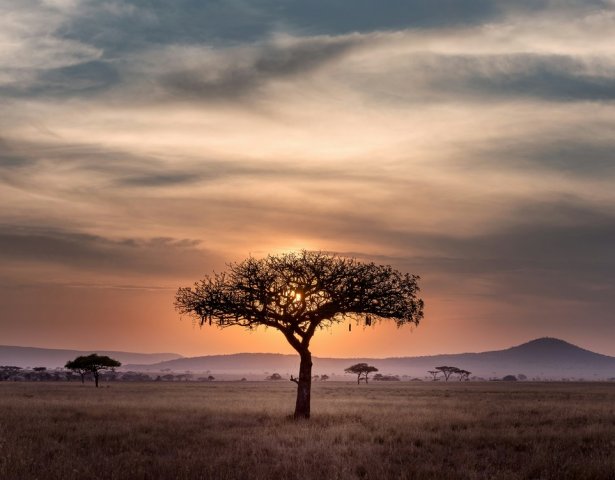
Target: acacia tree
76, 366
299, 293
447, 371
93, 364
434, 374
361, 370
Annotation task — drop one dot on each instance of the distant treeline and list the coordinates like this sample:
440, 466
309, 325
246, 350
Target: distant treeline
42, 374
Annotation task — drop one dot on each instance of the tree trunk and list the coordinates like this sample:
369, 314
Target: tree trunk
359, 379
83, 378
304, 386
96, 379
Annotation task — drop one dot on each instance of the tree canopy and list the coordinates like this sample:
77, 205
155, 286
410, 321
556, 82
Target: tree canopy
362, 370
299, 293
448, 371
93, 364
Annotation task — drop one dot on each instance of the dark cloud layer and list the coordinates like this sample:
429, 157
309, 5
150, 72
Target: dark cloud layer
9, 160
81, 79
115, 168
86, 77
139, 24
160, 179
161, 256
122, 29
562, 153
557, 250
271, 62
23, 159
549, 77
559, 78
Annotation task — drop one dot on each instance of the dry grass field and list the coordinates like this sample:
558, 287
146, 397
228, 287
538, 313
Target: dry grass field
242, 431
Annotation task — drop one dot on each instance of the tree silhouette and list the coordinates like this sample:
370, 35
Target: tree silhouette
434, 374
361, 370
447, 371
93, 364
299, 293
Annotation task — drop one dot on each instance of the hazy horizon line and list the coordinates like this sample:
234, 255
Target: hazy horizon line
292, 354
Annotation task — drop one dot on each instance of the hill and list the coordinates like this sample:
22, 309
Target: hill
51, 358
544, 358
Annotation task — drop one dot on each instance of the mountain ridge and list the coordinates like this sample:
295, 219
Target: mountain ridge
545, 357
56, 357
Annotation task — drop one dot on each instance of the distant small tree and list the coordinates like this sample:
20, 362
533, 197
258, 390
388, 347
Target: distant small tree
361, 370
274, 377
211, 378
447, 371
509, 378
463, 374
39, 369
434, 374
324, 377
93, 364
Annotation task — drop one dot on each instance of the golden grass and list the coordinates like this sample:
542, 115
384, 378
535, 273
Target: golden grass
243, 431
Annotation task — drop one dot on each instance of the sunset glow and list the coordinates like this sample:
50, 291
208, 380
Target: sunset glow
144, 146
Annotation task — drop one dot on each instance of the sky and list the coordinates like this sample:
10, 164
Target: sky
147, 143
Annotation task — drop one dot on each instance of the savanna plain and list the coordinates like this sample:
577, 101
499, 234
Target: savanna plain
243, 430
